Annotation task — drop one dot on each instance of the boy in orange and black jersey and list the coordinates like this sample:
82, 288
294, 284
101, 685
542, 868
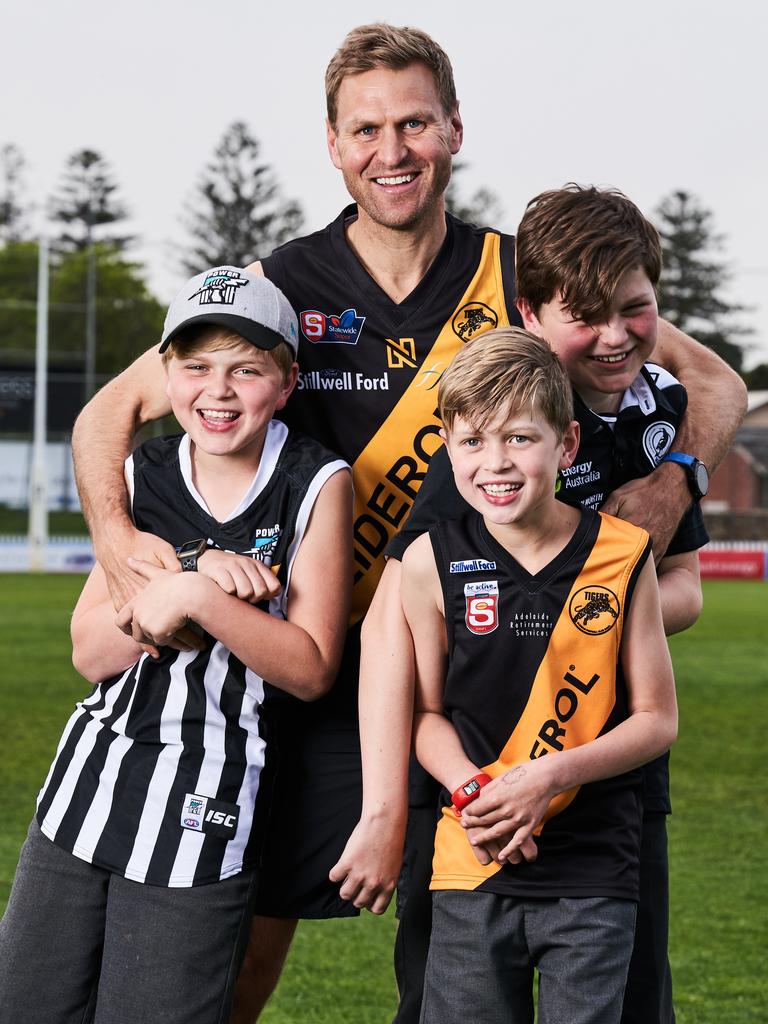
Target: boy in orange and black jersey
542, 681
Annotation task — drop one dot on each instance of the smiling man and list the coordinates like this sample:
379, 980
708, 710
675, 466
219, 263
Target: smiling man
386, 295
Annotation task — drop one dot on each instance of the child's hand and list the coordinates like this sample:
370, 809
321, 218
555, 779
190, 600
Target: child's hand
369, 865
503, 817
239, 575
159, 614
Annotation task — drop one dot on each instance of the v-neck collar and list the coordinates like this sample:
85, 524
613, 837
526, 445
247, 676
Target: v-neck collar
397, 313
533, 583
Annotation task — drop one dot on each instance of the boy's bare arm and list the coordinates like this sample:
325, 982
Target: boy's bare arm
99, 649
509, 808
717, 402
680, 591
300, 654
370, 863
101, 440
436, 742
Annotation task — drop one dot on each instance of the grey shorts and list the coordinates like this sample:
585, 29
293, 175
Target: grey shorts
484, 949
81, 944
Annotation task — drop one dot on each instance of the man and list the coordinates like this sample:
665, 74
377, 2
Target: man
385, 295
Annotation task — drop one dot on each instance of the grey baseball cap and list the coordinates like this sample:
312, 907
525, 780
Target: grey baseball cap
250, 306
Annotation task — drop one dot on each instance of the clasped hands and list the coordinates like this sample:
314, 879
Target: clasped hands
501, 821
162, 613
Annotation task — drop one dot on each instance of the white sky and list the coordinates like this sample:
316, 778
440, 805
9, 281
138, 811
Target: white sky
648, 97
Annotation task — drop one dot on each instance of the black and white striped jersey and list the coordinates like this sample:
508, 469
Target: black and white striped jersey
161, 773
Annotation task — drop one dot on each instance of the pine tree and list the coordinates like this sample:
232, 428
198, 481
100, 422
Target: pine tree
483, 207
237, 213
693, 277
13, 225
87, 200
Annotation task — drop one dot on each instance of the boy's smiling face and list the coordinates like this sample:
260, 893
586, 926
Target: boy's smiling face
225, 398
506, 469
602, 359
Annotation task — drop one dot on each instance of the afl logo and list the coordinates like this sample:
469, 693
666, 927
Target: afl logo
472, 319
594, 610
657, 441
482, 607
192, 823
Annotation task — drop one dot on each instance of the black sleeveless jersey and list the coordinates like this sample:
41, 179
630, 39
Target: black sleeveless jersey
159, 774
370, 366
533, 668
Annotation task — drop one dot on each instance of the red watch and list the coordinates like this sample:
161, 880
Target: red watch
468, 791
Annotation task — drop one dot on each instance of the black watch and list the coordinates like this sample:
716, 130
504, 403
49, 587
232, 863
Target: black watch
695, 471
189, 552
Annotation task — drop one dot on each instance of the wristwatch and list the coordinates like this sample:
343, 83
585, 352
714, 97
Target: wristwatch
468, 791
695, 471
189, 552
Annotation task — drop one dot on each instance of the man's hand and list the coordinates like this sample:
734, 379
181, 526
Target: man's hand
239, 575
509, 808
112, 555
157, 616
369, 866
657, 502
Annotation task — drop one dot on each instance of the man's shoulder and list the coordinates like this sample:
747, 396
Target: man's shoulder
303, 243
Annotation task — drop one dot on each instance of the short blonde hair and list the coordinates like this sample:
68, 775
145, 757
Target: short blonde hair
212, 338
503, 372
380, 45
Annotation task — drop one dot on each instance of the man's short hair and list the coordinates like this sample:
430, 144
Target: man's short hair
504, 372
385, 46
212, 338
577, 243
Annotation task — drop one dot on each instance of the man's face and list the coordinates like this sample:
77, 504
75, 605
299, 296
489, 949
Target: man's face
393, 143
602, 359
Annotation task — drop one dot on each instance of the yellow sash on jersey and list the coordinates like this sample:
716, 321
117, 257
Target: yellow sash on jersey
584, 644
415, 410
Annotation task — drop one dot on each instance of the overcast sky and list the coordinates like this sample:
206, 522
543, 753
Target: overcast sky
648, 97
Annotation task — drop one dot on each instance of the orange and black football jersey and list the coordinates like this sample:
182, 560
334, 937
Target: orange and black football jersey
369, 367
533, 668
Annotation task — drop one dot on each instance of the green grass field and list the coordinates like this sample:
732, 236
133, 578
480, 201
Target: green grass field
340, 972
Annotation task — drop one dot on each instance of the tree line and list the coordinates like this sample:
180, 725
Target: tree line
236, 213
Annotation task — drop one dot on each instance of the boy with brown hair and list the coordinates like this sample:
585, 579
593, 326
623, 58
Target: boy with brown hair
588, 264
542, 679
135, 887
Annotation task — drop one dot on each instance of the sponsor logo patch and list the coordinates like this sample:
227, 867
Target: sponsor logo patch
482, 606
330, 328
214, 817
401, 352
594, 610
472, 319
657, 440
472, 565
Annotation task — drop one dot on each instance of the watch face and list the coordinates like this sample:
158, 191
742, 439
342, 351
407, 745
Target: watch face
702, 477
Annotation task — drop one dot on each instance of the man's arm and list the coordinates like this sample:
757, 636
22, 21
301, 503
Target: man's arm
370, 863
680, 591
717, 402
101, 441
300, 654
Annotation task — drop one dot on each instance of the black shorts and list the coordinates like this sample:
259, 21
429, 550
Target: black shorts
316, 805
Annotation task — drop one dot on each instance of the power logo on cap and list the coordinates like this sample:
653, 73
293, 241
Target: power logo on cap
219, 288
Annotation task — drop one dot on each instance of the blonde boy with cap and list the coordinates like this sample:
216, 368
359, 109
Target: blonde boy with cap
135, 887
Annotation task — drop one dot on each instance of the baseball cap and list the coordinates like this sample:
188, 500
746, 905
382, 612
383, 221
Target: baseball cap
250, 306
